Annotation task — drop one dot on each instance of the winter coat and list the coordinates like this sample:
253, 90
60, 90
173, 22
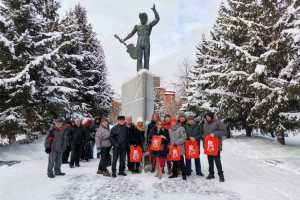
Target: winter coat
68, 132
78, 136
137, 137
193, 131
216, 127
165, 142
119, 136
56, 140
178, 137
102, 138
149, 129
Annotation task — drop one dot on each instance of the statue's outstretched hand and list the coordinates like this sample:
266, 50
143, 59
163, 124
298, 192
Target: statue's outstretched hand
153, 8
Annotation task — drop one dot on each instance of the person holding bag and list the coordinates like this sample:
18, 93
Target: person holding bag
102, 139
214, 128
161, 154
137, 138
193, 131
178, 137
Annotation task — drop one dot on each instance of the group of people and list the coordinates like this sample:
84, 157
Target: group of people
126, 135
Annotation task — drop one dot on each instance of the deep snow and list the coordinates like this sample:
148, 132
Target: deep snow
255, 169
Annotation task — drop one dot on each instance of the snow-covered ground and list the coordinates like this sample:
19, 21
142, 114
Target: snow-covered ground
255, 169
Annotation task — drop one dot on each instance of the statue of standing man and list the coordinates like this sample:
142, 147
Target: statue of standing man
143, 31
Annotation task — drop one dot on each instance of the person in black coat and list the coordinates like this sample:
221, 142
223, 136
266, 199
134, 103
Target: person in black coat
137, 138
160, 156
151, 125
131, 129
78, 138
68, 131
119, 140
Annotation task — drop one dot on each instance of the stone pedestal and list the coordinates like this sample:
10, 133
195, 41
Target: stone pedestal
138, 96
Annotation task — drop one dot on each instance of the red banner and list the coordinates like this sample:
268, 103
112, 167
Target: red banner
174, 153
156, 143
192, 149
211, 145
136, 154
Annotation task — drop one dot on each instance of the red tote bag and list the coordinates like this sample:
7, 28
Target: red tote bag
136, 154
174, 153
192, 149
156, 143
211, 145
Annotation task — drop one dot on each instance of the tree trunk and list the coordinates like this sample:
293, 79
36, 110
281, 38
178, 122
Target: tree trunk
249, 131
281, 137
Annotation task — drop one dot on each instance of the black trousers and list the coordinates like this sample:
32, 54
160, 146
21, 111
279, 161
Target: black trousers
118, 154
211, 162
129, 164
105, 159
66, 154
75, 154
179, 164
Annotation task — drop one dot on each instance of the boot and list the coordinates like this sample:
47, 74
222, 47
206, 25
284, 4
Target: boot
221, 178
200, 174
210, 176
184, 178
60, 174
122, 174
114, 175
106, 173
99, 172
173, 176
51, 175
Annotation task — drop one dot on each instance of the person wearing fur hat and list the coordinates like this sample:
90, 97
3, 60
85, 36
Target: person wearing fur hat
137, 138
214, 127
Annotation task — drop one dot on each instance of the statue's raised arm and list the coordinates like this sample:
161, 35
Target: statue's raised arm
157, 18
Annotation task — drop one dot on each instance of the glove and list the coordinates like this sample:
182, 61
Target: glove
48, 150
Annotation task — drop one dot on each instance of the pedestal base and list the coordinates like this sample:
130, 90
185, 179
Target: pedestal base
138, 96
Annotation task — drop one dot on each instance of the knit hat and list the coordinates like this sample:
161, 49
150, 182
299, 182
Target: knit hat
139, 119
121, 117
210, 114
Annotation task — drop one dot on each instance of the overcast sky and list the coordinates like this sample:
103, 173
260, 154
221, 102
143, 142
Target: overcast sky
182, 24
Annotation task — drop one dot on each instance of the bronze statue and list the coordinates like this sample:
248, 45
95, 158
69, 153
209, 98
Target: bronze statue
142, 50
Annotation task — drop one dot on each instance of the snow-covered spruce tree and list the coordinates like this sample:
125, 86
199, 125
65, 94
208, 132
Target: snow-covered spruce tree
83, 67
21, 25
282, 72
201, 78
